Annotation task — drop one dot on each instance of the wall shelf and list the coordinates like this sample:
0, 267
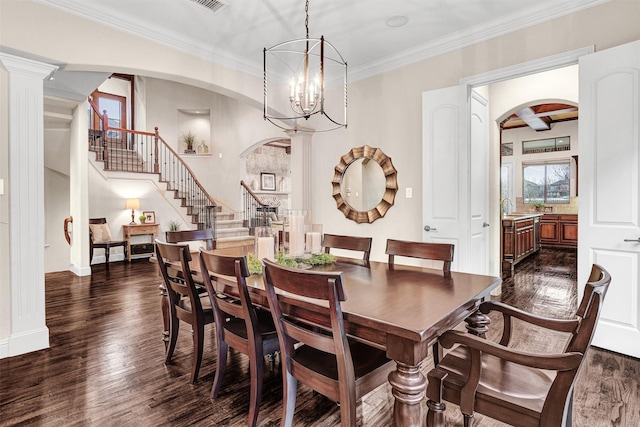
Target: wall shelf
195, 155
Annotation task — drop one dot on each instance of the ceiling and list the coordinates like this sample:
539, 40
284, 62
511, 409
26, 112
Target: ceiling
363, 31
540, 117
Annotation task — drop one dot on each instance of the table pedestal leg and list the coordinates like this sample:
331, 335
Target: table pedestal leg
164, 307
408, 386
478, 323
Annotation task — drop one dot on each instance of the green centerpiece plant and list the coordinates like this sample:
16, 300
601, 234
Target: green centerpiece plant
255, 265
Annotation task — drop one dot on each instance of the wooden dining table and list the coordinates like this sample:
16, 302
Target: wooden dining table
400, 309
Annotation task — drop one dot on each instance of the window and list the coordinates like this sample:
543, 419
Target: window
506, 149
546, 182
546, 145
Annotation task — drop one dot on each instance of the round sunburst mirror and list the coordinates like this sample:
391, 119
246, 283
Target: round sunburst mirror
364, 184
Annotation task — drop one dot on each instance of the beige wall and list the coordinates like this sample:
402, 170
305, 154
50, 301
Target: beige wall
384, 110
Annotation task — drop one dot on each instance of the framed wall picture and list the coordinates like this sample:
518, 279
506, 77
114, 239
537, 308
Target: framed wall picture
268, 181
151, 216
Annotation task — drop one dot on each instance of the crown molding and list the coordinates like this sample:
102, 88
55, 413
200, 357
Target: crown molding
537, 14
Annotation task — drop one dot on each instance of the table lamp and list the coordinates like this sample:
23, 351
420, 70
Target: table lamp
132, 204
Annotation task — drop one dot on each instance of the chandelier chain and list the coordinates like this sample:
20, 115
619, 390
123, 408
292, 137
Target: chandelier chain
306, 20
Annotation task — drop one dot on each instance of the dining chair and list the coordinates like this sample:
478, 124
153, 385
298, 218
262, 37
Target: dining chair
181, 236
424, 250
352, 243
100, 237
185, 303
320, 355
239, 324
513, 385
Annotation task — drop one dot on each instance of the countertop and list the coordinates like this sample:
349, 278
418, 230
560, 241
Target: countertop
516, 216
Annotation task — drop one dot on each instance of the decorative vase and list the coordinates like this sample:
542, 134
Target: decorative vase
297, 223
266, 245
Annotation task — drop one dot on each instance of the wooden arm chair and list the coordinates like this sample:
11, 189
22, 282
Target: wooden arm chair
185, 303
100, 237
327, 361
238, 324
181, 236
352, 243
530, 389
432, 251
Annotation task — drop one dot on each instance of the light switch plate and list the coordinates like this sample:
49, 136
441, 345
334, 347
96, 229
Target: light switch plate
1, 187
408, 192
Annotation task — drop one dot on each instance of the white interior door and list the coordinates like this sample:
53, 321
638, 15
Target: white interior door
479, 184
609, 209
455, 179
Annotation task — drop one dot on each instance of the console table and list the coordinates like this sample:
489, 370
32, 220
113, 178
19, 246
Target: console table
140, 250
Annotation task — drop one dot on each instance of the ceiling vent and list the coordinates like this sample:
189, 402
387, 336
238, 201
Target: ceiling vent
213, 5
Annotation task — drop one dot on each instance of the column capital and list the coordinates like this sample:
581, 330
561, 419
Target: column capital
17, 64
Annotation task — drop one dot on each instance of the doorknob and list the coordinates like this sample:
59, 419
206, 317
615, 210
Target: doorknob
633, 240
427, 228
485, 224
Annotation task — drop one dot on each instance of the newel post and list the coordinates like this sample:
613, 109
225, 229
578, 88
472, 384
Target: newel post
156, 165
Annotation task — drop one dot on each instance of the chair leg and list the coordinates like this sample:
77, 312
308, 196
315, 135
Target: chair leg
437, 353
198, 347
90, 254
256, 369
174, 327
288, 399
106, 255
166, 314
221, 364
435, 414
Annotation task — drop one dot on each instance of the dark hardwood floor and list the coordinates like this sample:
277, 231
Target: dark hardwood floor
105, 366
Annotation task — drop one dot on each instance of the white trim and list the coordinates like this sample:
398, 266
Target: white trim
80, 271
535, 66
4, 348
507, 24
32, 340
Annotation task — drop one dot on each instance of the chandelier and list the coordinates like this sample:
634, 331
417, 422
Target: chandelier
296, 76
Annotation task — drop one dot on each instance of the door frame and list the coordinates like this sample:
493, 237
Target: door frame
559, 60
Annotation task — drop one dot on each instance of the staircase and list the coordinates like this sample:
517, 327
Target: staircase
123, 150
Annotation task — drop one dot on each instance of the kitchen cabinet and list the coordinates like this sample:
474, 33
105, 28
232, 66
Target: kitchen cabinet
520, 238
559, 230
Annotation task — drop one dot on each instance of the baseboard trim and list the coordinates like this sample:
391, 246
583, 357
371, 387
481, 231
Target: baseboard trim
26, 342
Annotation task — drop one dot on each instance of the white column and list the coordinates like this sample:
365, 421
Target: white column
28, 328
79, 191
300, 169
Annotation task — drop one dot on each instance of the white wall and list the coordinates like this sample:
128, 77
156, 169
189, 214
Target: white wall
234, 127
56, 207
5, 284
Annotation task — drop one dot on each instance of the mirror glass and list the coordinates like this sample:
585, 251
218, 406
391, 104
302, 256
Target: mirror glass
363, 184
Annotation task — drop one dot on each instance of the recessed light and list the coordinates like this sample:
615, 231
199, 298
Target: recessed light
397, 21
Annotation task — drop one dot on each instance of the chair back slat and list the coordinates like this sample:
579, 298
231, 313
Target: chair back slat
424, 250
180, 236
352, 243
224, 305
178, 283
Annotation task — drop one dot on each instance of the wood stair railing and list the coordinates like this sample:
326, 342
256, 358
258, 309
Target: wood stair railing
147, 152
255, 211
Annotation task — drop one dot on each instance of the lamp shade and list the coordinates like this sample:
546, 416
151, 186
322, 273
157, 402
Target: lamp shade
132, 204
